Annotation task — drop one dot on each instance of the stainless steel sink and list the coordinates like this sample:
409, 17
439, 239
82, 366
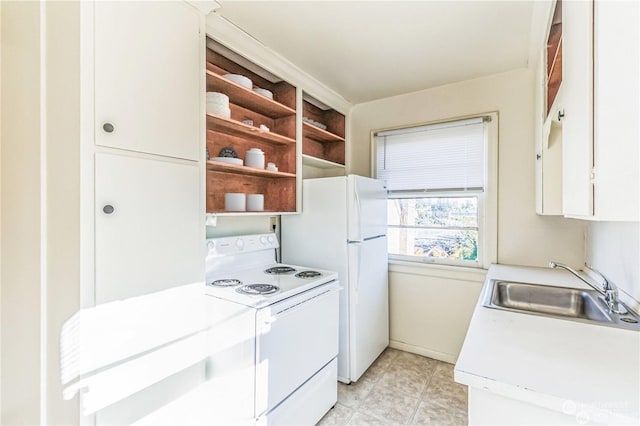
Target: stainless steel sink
562, 302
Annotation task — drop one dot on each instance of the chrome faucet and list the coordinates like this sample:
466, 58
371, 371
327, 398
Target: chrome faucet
608, 289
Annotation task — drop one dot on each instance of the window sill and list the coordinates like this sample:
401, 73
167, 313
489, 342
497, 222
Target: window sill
440, 271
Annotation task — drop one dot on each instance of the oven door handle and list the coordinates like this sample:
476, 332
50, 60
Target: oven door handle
290, 310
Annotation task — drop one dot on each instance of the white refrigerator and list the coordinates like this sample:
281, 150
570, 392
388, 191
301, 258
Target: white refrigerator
343, 228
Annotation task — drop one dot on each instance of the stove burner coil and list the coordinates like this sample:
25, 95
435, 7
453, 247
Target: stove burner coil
279, 270
308, 274
258, 289
227, 282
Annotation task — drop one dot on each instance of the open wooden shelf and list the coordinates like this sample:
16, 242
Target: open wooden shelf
319, 134
236, 128
322, 148
312, 161
554, 79
244, 170
554, 56
279, 143
279, 188
247, 98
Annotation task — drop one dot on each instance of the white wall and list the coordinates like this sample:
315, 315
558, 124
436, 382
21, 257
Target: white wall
0, 209
62, 209
40, 205
21, 234
613, 248
239, 225
523, 237
430, 308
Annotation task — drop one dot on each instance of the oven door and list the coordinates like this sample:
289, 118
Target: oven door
295, 339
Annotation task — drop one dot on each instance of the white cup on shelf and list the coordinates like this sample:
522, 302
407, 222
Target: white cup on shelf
235, 202
255, 202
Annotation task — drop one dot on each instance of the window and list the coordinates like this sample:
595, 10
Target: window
440, 180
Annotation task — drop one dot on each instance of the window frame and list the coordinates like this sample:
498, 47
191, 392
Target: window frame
487, 199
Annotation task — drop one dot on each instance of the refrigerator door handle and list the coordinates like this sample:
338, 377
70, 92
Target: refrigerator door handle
356, 272
358, 208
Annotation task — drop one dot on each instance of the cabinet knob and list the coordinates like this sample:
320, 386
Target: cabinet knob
560, 115
538, 156
108, 127
108, 209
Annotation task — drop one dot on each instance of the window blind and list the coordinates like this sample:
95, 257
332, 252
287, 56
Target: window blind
444, 157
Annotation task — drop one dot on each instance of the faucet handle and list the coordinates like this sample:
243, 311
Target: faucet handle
606, 285
610, 294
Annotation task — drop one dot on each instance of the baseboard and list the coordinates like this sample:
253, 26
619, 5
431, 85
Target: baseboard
440, 356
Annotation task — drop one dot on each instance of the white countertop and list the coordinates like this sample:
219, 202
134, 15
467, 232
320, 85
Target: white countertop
562, 365
114, 350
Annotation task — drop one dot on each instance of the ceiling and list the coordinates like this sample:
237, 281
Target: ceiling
366, 50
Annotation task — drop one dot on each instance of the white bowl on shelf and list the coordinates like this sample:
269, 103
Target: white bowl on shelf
217, 98
228, 160
240, 79
264, 92
219, 110
235, 202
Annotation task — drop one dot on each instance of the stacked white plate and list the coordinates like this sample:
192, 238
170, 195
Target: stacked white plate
240, 79
229, 160
264, 92
218, 104
314, 123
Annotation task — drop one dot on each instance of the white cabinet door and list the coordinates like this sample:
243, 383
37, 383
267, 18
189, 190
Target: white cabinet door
151, 238
617, 110
147, 77
577, 124
601, 166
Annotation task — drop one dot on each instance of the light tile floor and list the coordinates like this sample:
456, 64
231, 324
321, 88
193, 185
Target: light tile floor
401, 388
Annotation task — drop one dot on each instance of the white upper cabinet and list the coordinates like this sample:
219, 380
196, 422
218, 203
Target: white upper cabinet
601, 170
148, 226
148, 97
147, 77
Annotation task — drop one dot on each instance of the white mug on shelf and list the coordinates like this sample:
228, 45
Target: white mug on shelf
255, 202
235, 202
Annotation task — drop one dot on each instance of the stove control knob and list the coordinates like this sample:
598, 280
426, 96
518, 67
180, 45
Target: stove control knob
211, 245
240, 243
263, 240
271, 239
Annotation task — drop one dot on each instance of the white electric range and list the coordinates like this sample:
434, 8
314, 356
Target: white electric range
296, 327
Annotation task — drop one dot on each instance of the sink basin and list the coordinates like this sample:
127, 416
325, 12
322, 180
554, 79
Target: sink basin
563, 302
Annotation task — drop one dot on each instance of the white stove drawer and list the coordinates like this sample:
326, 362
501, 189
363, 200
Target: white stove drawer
309, 403
295, 339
